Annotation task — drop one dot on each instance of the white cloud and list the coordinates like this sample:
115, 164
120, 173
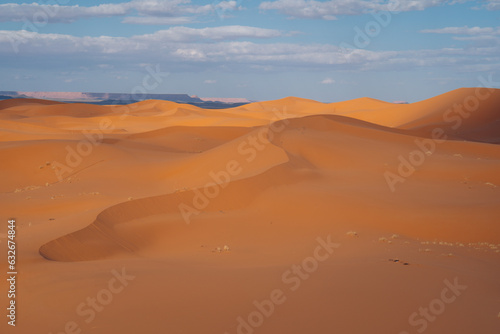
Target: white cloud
149, 11
24, 77
168, 7
213, 33
312, 9
477, 38
329, 10
491, 5
481, 36
42, 14
183, 11
327, 81
157, 20
464, 31
178, 41
415, 5
228, 5
53, 43
197, 47
210, 82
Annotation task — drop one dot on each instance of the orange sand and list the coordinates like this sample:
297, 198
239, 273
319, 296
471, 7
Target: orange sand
408, 193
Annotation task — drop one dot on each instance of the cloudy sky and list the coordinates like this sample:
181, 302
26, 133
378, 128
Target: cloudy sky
324, 50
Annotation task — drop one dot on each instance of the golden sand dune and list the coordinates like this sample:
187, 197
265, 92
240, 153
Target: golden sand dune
467, 113
323, 213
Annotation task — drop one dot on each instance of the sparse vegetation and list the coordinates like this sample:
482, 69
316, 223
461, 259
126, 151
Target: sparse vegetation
352, 234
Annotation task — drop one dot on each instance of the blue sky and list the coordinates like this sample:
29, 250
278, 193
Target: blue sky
323, 50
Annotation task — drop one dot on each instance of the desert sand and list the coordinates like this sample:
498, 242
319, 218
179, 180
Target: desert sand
287, 216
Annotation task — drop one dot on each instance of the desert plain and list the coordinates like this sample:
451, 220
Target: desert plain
286, 216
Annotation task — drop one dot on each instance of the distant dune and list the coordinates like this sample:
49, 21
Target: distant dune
355, 213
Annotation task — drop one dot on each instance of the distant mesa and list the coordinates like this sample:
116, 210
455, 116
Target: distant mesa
400, 102
225, 99
120, 98
99, 97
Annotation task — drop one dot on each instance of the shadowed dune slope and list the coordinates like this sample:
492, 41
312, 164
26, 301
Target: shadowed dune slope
466, 113
25, 102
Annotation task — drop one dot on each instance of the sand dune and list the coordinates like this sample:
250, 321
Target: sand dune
5, 104
463, 113
209, 210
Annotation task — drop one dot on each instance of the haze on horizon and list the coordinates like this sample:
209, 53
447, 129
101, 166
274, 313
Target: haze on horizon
261, 50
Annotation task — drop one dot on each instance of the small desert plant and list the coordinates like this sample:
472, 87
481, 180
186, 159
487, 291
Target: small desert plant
384, 240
